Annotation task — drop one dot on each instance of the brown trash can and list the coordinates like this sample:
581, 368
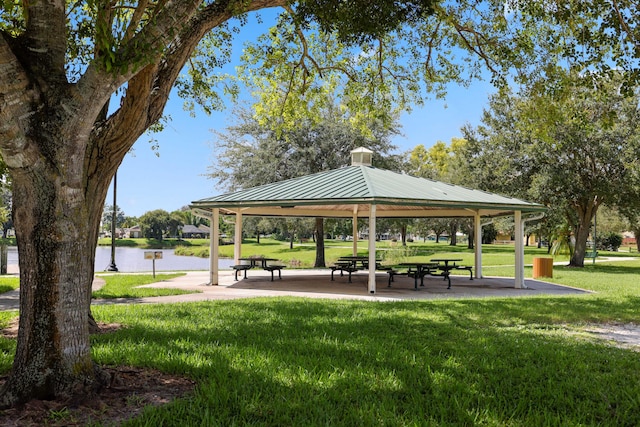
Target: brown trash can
542, 267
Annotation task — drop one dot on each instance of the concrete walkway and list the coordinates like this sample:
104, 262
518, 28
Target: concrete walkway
317, 283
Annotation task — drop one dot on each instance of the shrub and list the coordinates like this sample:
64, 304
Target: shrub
609, 242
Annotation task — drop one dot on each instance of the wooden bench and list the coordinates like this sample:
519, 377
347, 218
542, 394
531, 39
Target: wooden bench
241, 267
273, 268
593, 255
466, 267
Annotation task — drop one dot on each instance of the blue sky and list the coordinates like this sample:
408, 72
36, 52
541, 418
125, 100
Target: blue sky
174, 176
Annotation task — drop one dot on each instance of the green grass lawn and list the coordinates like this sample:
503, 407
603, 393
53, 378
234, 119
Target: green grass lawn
295, 361
288, 361
9, 283
127, 286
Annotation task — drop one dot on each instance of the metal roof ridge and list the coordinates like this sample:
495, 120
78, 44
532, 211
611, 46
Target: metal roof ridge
367, 180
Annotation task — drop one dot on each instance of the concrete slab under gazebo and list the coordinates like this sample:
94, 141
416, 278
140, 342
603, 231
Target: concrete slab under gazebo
362, 191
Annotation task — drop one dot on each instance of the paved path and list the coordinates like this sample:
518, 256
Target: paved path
316, 283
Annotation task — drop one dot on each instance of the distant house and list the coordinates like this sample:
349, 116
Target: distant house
134, 232
628, 238
192, 232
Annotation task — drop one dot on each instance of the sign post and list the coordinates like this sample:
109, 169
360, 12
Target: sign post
153, 255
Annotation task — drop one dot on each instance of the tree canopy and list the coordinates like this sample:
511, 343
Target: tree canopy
251, 153
572, 150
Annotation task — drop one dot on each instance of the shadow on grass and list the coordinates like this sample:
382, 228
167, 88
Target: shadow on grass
309, 362
6, 288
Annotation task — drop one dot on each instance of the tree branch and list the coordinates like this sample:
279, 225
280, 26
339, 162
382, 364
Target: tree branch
477, 49
155, 82
16, 98
141, 8
625, 26
46, 40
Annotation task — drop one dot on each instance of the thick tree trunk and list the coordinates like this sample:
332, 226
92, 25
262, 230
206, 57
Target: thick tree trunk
56, 230
320, 261
453, 233
582, 235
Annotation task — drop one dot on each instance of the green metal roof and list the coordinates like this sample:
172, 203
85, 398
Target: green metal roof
339, 189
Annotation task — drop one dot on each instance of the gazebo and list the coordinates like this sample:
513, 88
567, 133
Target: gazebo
363, 191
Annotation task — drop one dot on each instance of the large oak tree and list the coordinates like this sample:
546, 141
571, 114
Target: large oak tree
573, 149
62, 62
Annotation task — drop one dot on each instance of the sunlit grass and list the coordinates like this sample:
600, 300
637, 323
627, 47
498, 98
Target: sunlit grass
9, 283
293, 361
127, 286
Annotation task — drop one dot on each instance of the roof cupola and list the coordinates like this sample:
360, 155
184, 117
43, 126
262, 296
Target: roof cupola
361, 157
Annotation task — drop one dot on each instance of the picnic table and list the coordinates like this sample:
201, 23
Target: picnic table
363, 260
417, 270
258, 262
435, 267
351, 264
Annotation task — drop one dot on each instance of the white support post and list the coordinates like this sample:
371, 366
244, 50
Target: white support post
214, 245
519, 232
355, 230
237, 241
372, 250
477, 232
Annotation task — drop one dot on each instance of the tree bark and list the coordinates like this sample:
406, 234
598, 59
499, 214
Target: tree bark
583, 227
320, 261
453, 233
62, 154
56, 230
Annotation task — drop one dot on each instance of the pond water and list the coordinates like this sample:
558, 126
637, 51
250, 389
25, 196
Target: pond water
130, 260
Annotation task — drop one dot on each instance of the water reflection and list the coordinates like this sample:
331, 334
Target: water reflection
130, 260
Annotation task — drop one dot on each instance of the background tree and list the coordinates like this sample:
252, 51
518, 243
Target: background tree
610, 220
489, 234
439, 226
631, 212
107, 217
446, 163
191, 219
155, 224
130, 221
251, 154
176, 222
573, 149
